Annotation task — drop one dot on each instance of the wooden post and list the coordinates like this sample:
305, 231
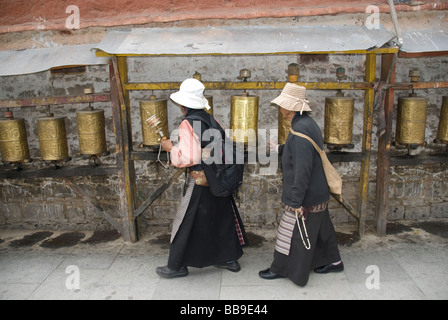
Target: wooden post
384, 141
369, 97
123, 147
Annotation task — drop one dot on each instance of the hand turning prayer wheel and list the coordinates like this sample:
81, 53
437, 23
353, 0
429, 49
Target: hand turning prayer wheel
148, 108
244, 114
13, 139
411, 121
442, 135
52, 138
338, 127
91, 132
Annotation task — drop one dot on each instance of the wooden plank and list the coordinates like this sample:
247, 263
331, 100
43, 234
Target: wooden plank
369, 97
45, 101
121, 147
386, 108
101, 53
418, 160
57, 173
403, 54
419, 85
259, 85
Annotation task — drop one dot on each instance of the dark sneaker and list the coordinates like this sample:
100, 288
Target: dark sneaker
170, 273
233, 266
330, 268
269, 275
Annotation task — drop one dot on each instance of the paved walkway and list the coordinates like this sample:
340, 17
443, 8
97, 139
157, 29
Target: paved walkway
409, 264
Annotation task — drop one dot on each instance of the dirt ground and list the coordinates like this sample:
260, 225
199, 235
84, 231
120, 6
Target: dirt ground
259, 238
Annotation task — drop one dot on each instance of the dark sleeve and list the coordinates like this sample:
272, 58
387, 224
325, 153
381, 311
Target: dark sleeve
280, 149
302, 156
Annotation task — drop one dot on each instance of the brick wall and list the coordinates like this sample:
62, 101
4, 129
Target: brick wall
415, 192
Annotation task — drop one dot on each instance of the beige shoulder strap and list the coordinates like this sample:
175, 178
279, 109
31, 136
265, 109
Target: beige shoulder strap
307, 138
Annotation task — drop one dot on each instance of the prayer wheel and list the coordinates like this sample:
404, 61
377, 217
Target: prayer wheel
442, 135
52, 138
209, 98
157, 107
285, 124
91, 132
338, 127
13, 140
283, 128
210, 103
411, 121
244, 118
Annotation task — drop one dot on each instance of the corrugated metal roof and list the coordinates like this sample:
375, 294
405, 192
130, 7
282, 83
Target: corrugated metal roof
242, 40
218, 40
36, 60
425, 41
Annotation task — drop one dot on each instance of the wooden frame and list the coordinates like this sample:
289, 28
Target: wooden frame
125, 156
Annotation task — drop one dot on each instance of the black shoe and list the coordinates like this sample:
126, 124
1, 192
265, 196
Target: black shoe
170, 273
269, 275
330, 268
233, 266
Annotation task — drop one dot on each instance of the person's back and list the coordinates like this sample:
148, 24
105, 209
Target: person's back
304, 181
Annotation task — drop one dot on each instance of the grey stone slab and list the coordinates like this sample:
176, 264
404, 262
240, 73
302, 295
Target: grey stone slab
388, 290
200, 284
16, 291
55, 286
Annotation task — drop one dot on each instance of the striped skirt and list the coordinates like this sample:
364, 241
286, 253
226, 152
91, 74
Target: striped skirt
207, 230
286, 226
294, 260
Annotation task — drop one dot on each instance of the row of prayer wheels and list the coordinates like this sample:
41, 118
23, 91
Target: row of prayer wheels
338, 127
339, 110
52, 137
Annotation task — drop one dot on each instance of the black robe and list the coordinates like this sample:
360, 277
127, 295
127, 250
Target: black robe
209, 230
304, 184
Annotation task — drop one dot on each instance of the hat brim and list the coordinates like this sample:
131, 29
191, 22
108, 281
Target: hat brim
291, 105
192, 102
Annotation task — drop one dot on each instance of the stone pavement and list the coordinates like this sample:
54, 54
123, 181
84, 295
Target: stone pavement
409, 263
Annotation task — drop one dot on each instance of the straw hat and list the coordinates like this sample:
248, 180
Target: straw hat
191, 95
292, 98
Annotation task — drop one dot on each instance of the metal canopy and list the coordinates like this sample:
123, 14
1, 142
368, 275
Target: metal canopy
425, 41
242, 40
36, 60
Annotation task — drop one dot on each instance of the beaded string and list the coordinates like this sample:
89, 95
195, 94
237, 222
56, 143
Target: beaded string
307, 247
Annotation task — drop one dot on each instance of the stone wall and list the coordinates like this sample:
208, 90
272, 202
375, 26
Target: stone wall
415, 192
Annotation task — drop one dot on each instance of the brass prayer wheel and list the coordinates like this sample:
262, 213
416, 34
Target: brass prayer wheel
157, 107
52, 138
244, 118
210, 103
411, 120
283, 128
442, 134
209, 98
338, 127
13, 140
91, 132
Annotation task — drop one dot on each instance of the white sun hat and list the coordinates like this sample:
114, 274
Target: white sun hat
191, 95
